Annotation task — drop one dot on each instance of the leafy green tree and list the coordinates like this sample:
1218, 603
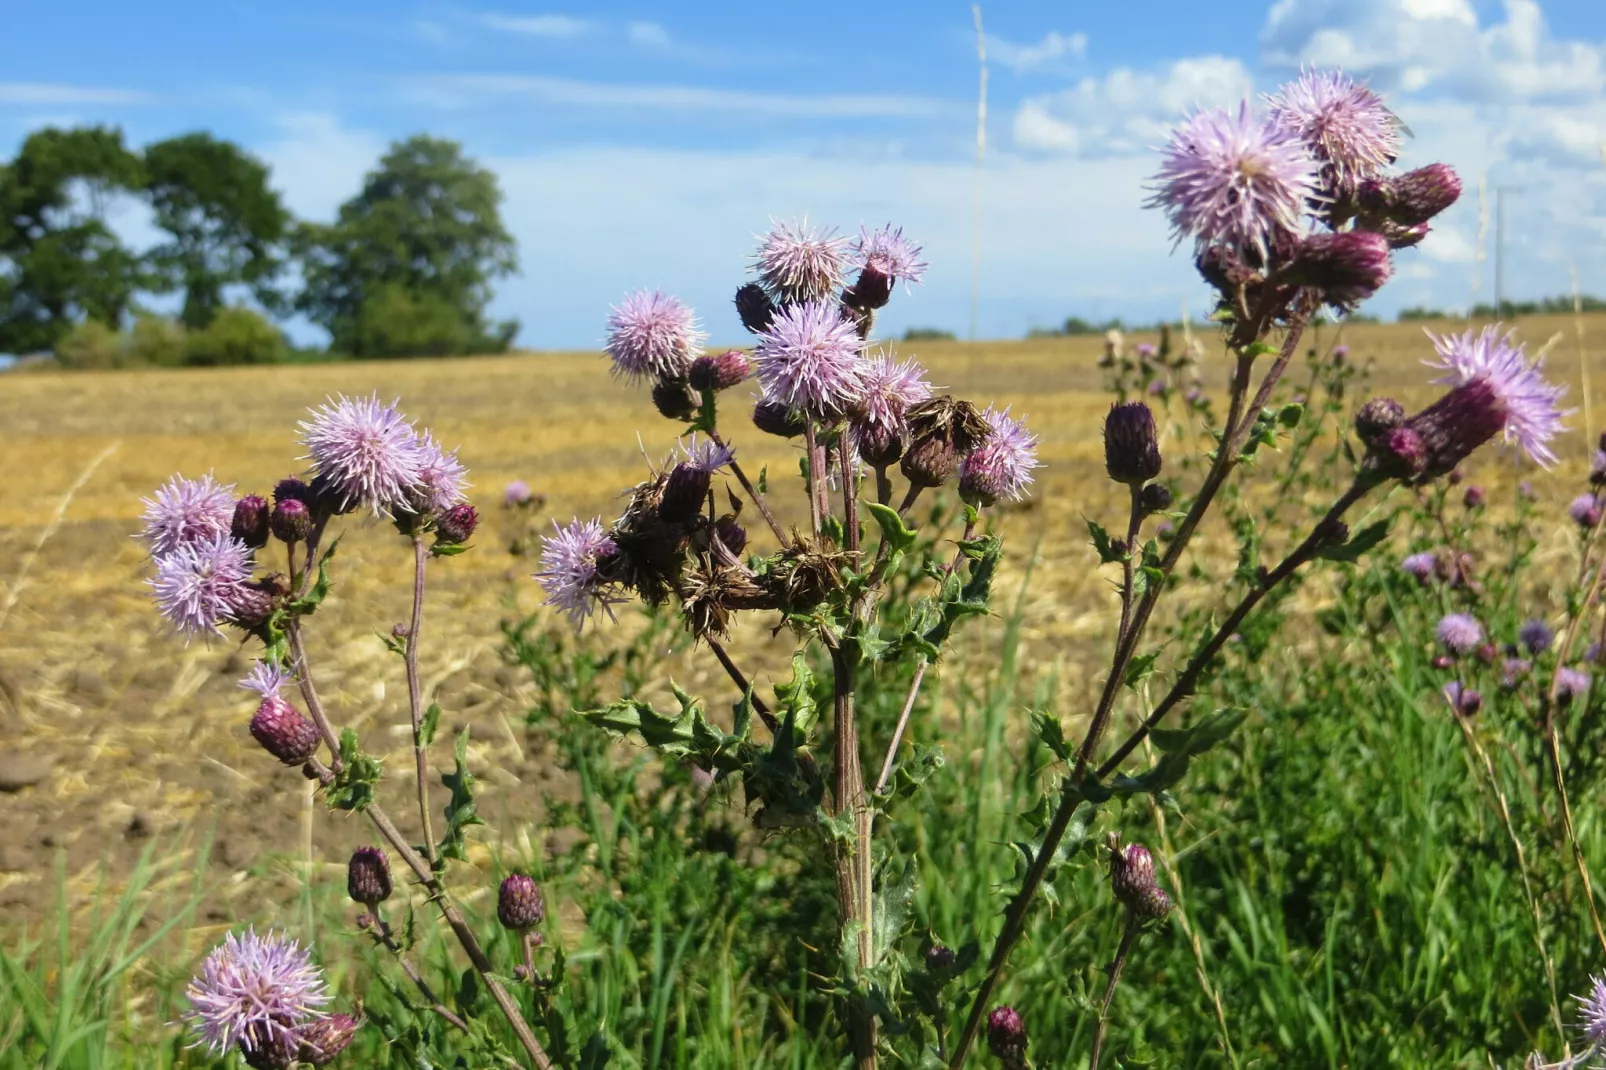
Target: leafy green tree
424, 236
60, 263
227, 225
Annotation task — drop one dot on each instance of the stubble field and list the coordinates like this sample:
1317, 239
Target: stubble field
141, 739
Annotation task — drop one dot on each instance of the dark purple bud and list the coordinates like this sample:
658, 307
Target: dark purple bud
719, 371
1131, 445
292, 488
368, 876
1442, 661
251, 605
778, 418
1154, 498
323, 1039
291, 521
685, 493
1347, 267
731, 534
1132, 880
674, 399
930, 462
1455, 425
940, 959
457, 525
1536, 635
1378, 417
873, 290
519, 903
1455, 478
1411, 199
325, 498
1473, 497
878, 444
1486, 653
284, 732
270, 1050
1006, 1036
1223, 269
755, 308
251, 521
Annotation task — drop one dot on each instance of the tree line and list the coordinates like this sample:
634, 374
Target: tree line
406, 267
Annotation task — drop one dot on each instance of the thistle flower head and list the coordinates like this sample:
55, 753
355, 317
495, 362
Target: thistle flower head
519, 902
1571, 684
183, 511
441, 476
796, 263
570, 576
365, 452
706, 455
1592, 1012
1233, 179
1006, 1036
809, 359
1131, 443
1529, 402
197, 585
1459, 633
652, 336
1422, 565
267, 679
1464, 700
884, 258
1584, 511
1536, 635
1345, 124
253, 989
890, 388
1001, 468
517, 493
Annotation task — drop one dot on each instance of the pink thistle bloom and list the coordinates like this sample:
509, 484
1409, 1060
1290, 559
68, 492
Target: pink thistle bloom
1422, 565
1001, 469
1529, 403
266, 678
570, 577
1459, 633
253, 991
183, 511
706, 455
1571, 684
889, 254
809, 359
517, 492
796, 263
1584, 511
1232, 179
441, 476
1346, 125
367, 452
890, 388
197, 586
652, 335
1592, 1012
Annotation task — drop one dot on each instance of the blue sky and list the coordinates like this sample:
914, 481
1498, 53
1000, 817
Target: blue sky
644, 145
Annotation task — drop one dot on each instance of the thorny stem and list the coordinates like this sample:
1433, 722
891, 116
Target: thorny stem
1129, 936
383, 935
853, 874
1240, 418
1134, 523
415, 697
752, 492
742, 683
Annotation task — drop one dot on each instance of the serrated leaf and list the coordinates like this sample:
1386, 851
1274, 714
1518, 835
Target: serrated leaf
894, 532
1357, 544
432, 720
1101, 542
448, 549
353, 787
687, 735
1140, 668
1290, 414
1200, 737
310, 601
460, 809
1051, 734
1258, 350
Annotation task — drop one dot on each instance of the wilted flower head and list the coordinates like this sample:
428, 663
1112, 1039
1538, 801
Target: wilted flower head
1529, 403
570, 575
1345, 124
1459, 633
266, 678
253, 989
183, 511
441, 476
809, 359
1001, 468
1421, 565
197, 585
1536, 635
1231, 178
890, 387
1592, 1012
367, 453
652, 336
796, 263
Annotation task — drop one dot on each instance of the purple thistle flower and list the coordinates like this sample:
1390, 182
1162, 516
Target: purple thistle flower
1002, 467
890, 387
1571, 684
517, 492
1345, 124
441, 476
266, 678
1422, 565
183, 511
887, 253
1459, 633
652, 336
366, 452
1529, 402
1462, 699
1584, 511
253, 989
570, 578
1513, 671
1592, 1012
1536, 635
809, 359
197, 586
1145, 350
1232, 179
706, 455
798, 264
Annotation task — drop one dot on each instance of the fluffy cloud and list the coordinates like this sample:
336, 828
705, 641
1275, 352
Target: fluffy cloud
1053, 49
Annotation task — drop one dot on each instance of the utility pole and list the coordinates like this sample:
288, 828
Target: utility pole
981, 152
1500, 248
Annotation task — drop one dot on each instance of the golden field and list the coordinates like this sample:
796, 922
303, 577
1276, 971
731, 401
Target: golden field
146, 737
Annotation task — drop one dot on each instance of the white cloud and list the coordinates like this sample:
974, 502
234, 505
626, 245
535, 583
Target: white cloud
556, 26
318, 163
465, 89
56, 93
648, 35
1051, 50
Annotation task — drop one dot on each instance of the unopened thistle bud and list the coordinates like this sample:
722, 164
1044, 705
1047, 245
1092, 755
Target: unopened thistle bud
368, 876
1455, 425
1006, 1036
1154, 498
250, 524
685, 493
674, 399
1378, 417
879, 444
251, 604
291, 521
1132, 880
731, 534
930, 462
1347, 267
778, 418
457, 525
755, 308
277, 1049
1473, 497
519, 903
719, 371
1131, 445
1465, 701
292, 488
1413, 198
326, 497
873, 290
323, 1039
940, 959
284, 732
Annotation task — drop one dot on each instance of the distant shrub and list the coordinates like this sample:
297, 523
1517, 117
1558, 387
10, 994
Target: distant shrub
90, 344
155, 340
236, 336
928, 334
396, 322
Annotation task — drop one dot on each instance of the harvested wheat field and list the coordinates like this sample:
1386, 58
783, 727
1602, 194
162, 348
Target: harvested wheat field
115, 733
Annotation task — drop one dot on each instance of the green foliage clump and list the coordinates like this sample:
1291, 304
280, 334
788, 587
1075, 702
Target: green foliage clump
236, 335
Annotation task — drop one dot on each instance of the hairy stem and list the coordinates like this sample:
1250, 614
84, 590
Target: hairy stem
1129, 936
1133, 525
752, 492
415, 697
853, 873
816, 475
385, 937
